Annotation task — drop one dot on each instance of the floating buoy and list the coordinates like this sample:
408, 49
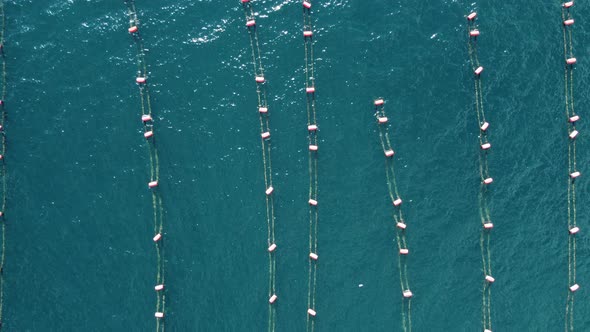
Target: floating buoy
401, 225
250, 23
272, 299
490, 279
307, 33
157, 237
159, 314
313, 148
146, 118
1, 213
140, 80
313, 256
573, 134
488, 225
265, 135
478, 70
311, 312
574, 230
486, 146
272, 247
383, 119
244, 1
159, 287
133, 29
575, 174
312, 127
571, 61
568, 22
153, 184
263, 109
269, 190
407, 294
574, 118
471, 16
389, 153
487, 330
574, 287
313, 202
306, 4
379, 102
1, 156
148, 134
404, 251
310, 90
484, 126
259, 79
474, 33
488, 181
397, 202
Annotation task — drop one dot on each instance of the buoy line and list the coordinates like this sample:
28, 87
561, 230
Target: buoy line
263, 114
3, 167
148, 129
312, 132
572, 118
400, 223
485, 178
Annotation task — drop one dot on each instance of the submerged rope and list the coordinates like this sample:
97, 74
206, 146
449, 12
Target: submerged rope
148, 128
263, 113
3, 165
571, 154
312, 137
400, 222
484, 211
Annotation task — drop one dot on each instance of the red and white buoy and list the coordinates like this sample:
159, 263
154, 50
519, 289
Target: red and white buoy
313, 256
568, 4
574, 230
472, 16
478, 70
272, 247
408, 294
310, 90
574, 118
133, 29
488, 181
311, 312
159, 314
568, 22
383, 119
474, 33
389, 153
159, 287
250, 23
153, 184
574, 287
146, 118
307, 33
313, 202
573, 134
265, 135
263, 109
571, 61
486, 146
272, 299
158, 237
401, 225
404, 251
488, 225
575, 174
148, 134
313, 147
397, 202
490, 279
379, 102
312, 127
141, 80
306, 4
484, 126
259, 79
269, 190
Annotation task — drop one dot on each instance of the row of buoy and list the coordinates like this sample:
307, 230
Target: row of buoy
147, 121
485, 146
265, 134
312, 133
400, 224
572, 119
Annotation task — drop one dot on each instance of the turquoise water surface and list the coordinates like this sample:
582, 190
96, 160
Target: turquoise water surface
79, 254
